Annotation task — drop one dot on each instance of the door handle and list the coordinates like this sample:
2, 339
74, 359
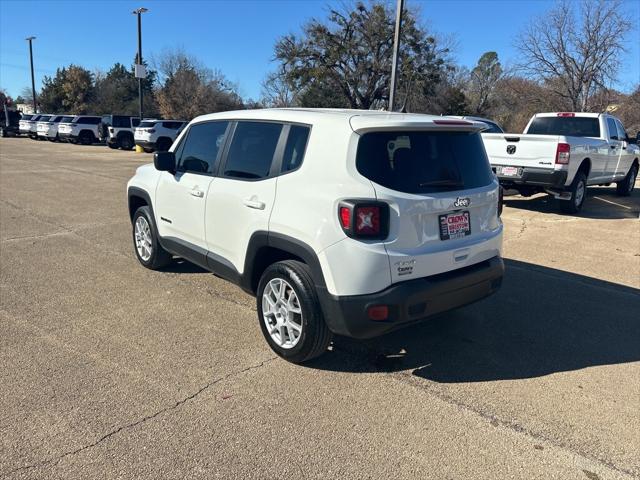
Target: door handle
253, 202
197, 193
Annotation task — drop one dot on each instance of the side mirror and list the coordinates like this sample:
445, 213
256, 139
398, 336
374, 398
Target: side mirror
165, 161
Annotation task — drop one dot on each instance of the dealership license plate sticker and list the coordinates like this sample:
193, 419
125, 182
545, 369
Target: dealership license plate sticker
454, 225
509, 171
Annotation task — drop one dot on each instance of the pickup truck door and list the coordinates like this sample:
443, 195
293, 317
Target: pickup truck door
615, 149
626, 154
181, 197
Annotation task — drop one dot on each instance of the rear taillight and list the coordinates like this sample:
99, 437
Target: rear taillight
364, 219
563, 153
500, 199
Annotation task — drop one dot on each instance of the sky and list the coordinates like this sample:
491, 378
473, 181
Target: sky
237, 36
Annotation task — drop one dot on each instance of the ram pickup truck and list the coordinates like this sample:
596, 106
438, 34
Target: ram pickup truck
562, 153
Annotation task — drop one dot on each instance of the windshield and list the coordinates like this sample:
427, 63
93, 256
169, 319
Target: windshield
566, 126
424, 162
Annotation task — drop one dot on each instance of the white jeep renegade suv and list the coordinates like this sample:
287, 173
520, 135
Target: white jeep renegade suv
339, 221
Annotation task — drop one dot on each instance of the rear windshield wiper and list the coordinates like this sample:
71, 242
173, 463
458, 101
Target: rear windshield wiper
442, 183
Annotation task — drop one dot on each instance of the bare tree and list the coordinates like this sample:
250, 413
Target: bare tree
578, 54
277, 93
482, 82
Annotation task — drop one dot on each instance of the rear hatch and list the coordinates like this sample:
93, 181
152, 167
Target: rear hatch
509, 150
442, 194
43, 124
144, 131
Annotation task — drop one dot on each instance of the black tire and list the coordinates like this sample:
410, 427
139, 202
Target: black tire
625, 187
115, 145
126, 142
315, 336
574, 205
159, 257
163, 144
3, 133
86, 137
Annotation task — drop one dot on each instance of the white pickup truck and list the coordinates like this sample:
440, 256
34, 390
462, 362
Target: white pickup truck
562, 153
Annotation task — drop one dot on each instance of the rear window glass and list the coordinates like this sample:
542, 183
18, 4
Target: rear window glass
567, 126
147, 124
67, 119
44, 118
121, 122
493, 128
424, 162
26, 117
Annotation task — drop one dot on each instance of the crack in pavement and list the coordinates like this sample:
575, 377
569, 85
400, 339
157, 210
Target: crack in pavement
55, 460
410, 379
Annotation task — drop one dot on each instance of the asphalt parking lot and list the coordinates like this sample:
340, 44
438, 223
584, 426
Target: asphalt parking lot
109, 370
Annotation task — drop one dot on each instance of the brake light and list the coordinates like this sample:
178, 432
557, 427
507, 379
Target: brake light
566, 114
563, 153
451, 122
366, 220
345, 218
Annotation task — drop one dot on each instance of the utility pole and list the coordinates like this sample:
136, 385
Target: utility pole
140, 71
396, 53
33, 80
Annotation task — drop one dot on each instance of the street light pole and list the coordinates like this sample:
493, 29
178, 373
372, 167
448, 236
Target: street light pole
33, 80
138, 69
396, 52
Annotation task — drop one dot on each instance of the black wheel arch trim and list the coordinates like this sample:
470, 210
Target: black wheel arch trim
139, 192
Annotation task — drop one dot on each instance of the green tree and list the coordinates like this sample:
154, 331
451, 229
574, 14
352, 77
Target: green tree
69, 91
349, 56
117, 92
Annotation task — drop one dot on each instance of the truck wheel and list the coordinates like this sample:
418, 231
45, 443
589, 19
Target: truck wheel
114, 145
86, 138
578, 191
145, 241
289, 312
625, 187
126, 142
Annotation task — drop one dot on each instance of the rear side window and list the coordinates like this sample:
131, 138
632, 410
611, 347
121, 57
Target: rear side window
567, 126
172, 125
200, 149
295, 148
135, 121
611, 126
424, 162
121, 122
252, 150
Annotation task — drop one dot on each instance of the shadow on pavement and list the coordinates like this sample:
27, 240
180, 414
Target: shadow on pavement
601, 203
542, 321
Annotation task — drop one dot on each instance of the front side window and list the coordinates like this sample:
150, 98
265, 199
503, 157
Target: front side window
252, 150
622, 134
424, 162
200, 148
295, 148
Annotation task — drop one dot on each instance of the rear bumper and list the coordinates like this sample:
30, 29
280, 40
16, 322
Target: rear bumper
541, 177
411, 301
